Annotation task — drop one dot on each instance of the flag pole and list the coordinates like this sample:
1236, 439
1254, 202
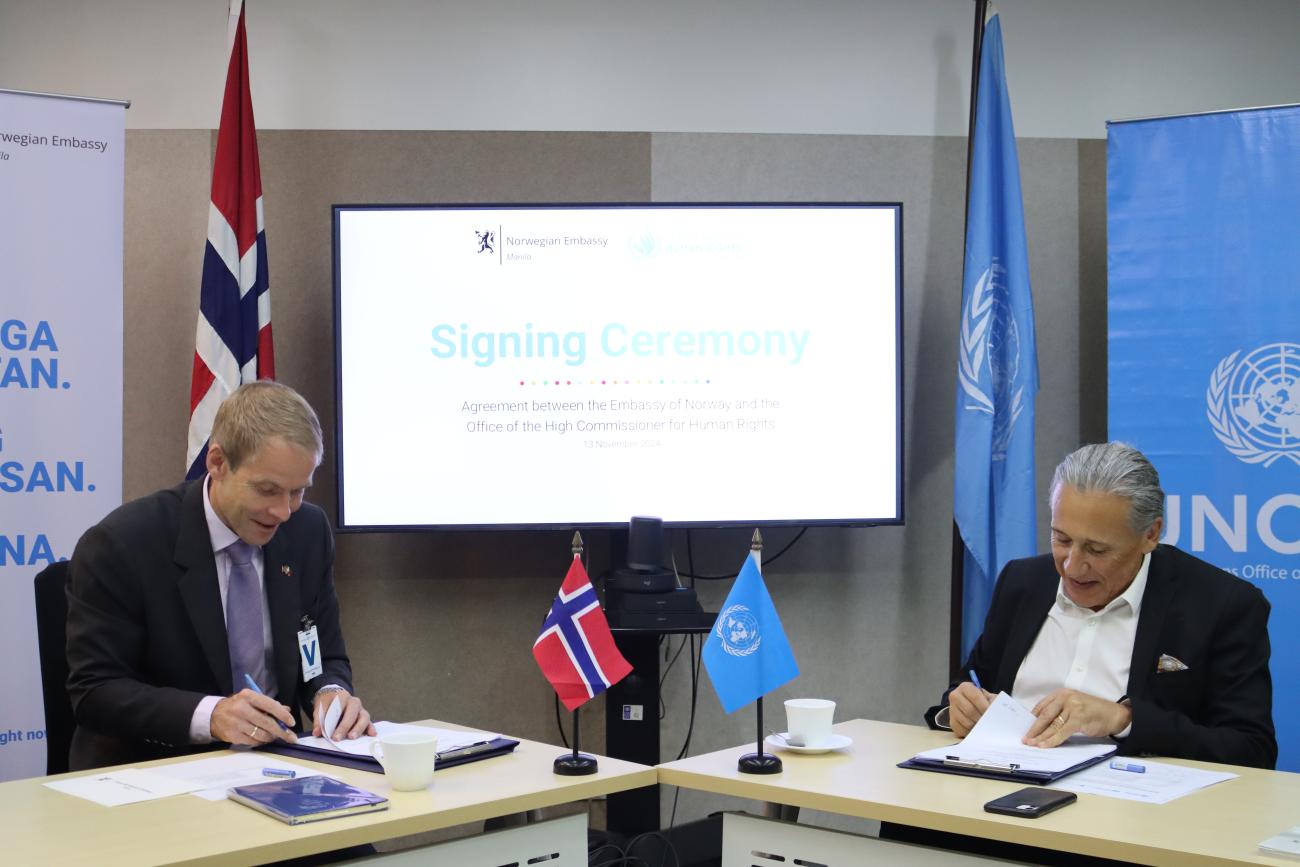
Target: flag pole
759, 762
957, 603
575, 764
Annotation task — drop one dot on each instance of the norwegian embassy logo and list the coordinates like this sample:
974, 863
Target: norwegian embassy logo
485, 240
738, 630
1253, 403
990, 339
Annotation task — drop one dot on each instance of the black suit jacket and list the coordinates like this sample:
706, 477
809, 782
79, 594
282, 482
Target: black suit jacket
1220, 709
146, 632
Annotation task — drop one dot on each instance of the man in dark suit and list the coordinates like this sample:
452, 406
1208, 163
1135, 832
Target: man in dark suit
1114, 634
159, 585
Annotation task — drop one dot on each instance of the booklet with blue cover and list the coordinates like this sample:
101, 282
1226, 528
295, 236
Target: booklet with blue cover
307, 799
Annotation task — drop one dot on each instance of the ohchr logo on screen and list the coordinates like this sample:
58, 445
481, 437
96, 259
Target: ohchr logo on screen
1253, 403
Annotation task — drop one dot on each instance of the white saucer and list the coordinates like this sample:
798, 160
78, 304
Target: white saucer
836, 742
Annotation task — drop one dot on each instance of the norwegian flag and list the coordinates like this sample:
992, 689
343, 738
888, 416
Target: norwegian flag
576, 650
232, 343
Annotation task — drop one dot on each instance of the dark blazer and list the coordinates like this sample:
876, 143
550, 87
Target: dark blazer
1220, 709
146, 633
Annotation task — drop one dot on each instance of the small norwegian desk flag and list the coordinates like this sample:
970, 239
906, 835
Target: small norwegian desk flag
232, 343
576, 650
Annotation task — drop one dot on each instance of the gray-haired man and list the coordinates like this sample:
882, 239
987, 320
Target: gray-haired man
1114, 634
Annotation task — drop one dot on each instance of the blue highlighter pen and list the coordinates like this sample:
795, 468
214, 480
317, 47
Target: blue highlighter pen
1131, 767
252, 684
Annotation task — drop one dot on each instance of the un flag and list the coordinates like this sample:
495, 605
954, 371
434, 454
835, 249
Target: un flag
994, 503
747, 654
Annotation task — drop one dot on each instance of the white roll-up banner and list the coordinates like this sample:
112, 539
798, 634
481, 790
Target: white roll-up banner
61, 184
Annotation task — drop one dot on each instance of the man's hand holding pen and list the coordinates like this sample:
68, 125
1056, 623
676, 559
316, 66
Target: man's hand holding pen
253, 719
967, 703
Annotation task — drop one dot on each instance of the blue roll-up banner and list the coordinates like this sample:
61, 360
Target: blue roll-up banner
61, 185
1204, 271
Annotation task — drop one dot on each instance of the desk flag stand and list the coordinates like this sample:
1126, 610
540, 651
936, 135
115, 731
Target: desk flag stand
759, 762
575, 764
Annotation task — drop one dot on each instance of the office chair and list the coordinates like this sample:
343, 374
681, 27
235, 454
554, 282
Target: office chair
51, 639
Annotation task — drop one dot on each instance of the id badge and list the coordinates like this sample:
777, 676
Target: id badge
309, 650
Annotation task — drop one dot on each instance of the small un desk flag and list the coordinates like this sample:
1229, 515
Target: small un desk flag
747, 654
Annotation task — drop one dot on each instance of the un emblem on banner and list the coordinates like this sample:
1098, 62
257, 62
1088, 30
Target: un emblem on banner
989, 334
738, 630
1253, 404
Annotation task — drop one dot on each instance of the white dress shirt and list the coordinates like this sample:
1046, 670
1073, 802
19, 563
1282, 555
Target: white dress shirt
1085, 650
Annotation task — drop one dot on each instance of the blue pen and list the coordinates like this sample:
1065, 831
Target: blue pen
252, 684
975, 679
1128, 766
279, 772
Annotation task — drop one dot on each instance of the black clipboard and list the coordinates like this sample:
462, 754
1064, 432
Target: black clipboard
1013, 773
447, 759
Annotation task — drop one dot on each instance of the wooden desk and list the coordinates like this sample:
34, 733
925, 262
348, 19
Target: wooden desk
42, 826
1222, 824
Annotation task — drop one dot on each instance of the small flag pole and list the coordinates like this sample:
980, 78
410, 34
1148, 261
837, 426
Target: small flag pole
759, 762
575, 764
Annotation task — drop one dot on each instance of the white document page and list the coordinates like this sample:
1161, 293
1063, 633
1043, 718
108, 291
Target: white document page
995, 744
331, 720
215, 775
448, 739
127, 786
1286, 843
1157, 783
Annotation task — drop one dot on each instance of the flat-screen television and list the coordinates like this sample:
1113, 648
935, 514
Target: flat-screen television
548, 366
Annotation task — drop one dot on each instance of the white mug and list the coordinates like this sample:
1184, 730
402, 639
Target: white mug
407, 758
808, 721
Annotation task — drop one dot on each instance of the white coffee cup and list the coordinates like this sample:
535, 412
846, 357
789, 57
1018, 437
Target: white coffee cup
407, 758
808, 721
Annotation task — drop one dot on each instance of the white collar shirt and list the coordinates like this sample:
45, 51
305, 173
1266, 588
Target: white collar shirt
1085, 650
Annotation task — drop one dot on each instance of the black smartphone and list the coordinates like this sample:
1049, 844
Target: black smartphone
1031, 802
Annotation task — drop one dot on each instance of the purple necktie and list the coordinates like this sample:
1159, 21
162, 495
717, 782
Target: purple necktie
244, 618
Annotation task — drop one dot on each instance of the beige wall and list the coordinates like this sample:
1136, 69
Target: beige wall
441, 624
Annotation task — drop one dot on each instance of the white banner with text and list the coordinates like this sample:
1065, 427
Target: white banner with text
61, 186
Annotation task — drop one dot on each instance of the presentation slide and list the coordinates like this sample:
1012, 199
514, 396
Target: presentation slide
576, 366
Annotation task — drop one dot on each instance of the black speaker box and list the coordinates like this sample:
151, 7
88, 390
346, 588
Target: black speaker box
640, 581
645, 544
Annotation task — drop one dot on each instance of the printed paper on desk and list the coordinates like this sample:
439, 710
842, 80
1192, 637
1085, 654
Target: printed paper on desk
995, 740
127, 786
217, 774
1159, 782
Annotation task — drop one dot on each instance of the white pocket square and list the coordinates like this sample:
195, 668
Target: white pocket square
1166, 664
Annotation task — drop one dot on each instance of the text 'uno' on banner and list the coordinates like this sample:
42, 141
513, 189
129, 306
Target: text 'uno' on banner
1204, 281
61, 186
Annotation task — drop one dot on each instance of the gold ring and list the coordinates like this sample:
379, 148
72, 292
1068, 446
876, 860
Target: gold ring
253, 734
1060, 719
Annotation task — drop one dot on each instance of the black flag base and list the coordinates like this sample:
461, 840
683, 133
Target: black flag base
759, 763
575, 765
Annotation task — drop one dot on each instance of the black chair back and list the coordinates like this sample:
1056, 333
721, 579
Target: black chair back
51, 638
